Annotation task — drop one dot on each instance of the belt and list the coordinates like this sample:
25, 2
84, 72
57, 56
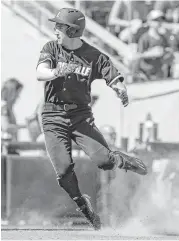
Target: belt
65, 107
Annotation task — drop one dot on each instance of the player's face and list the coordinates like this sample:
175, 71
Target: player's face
60, 32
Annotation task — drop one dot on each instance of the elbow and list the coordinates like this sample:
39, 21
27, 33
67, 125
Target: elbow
39, 76
43, 73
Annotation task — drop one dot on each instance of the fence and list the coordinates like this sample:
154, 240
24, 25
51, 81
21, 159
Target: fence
30, 191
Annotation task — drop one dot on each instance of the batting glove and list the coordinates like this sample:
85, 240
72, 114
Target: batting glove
121, 92
68, 69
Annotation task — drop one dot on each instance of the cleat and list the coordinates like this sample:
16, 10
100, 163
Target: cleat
89, 213
132, 163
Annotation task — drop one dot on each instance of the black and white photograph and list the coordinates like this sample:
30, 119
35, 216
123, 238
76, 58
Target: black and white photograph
89, 120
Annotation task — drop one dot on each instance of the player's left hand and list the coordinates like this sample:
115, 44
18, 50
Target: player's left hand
121, 92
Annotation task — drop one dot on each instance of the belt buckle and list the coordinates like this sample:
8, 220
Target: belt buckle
66, 107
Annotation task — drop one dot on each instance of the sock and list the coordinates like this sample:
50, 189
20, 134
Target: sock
69, 183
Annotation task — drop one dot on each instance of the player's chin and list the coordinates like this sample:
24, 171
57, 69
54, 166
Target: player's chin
59, 40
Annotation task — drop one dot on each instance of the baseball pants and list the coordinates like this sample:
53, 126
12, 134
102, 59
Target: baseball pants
61, 127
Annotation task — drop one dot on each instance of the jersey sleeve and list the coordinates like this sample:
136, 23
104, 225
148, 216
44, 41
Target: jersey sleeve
107, 71
47, 54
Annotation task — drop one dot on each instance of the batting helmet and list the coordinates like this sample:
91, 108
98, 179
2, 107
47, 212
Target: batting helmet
73, 18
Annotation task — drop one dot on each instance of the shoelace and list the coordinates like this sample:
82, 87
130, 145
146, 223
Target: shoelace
126, 165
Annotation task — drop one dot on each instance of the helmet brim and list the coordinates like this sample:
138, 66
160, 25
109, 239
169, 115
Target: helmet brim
57, 20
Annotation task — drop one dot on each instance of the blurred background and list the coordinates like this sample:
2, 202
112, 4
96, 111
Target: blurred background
142, 39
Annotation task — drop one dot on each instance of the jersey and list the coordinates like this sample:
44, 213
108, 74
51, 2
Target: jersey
88, 64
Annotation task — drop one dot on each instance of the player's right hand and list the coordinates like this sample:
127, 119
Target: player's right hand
71, 68
121, 92
58, 70
68, 69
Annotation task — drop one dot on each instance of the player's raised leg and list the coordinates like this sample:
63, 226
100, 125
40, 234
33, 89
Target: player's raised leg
89, 138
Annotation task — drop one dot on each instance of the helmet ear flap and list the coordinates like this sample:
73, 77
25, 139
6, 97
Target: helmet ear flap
71, 32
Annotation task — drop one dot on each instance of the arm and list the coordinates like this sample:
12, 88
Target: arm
121, 90
47, 68
113, 78
154, 52
45, 73
116, 15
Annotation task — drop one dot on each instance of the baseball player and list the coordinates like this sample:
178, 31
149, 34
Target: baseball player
68, 66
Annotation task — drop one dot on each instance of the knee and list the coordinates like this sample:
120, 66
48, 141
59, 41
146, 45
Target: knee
64, 170
64, 176
61, 164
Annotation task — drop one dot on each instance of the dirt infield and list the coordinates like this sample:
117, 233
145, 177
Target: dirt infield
70, 234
